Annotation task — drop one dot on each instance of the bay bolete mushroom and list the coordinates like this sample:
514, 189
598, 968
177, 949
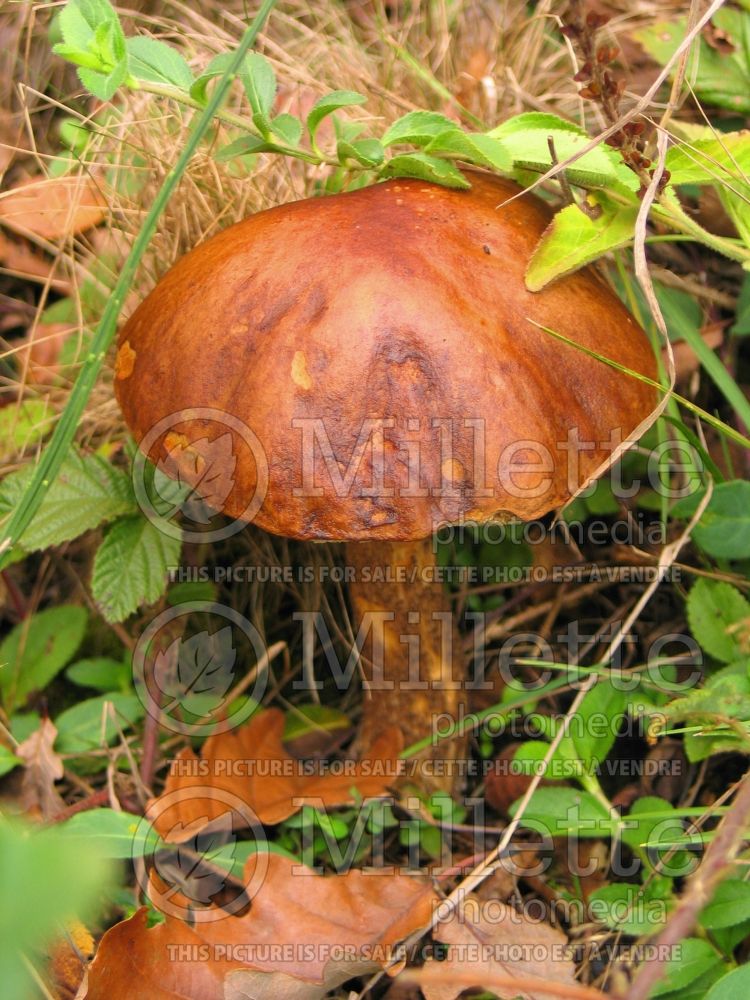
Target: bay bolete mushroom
382, 348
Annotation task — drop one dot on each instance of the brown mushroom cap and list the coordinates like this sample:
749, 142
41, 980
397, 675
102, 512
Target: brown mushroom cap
401, 304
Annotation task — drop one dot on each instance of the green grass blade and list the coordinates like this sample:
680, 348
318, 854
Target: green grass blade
54, 454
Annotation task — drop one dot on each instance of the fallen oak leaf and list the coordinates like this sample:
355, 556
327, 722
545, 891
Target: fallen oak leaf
251, 765
487, 937
304, 935
53, 207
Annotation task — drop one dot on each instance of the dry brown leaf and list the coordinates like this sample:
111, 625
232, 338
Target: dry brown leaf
43, 346
250, 764
43, 767
53, 207
487, 937
304, 935
19, 257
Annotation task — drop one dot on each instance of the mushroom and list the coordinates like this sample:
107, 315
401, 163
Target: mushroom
387, 358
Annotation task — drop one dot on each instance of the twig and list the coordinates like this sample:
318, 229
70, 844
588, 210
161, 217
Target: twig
719, 855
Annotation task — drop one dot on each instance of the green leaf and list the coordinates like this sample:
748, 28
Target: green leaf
593, 741
101, 673
88, 492
80, 728
104, 85
717, 78
368, 152
653, 822
425, 168
726, 694
479, 149
693, 959
557, 812
713, 607
717, 159
627, 908
729, 906
38, 648
216, 67
76, 31
130, 567
151, 59
734, 985
526, 140
22, 425
418, 128
742, 321
259, 81
8, 760
288, 128
329, 103
723, 530
113, 831
246, 144
573, 239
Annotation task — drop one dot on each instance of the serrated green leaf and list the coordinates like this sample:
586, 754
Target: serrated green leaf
22, 425
130, 567
574, 239
101, 85
80, 728
726, 694
329, 103
368, 152
259, 81
263, 124
426, 168
418, 128
216, 67
713, 609
288, 128
526, 139
79, 57
479, 149
721, 158
76, 31
37, 649
723, 530
88, 492
151, 59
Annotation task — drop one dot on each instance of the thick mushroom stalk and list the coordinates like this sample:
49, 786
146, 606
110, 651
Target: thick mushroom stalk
410, 654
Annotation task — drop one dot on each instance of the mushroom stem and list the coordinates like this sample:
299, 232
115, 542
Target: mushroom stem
411, 653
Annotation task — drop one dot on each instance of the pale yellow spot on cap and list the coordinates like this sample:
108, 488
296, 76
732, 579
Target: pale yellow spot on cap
300, 374
125, 361
452, 470
238, 328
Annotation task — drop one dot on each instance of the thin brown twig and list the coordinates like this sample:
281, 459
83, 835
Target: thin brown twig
719, 856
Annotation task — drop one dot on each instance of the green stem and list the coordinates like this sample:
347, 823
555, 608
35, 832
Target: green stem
62, 438
676, 218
